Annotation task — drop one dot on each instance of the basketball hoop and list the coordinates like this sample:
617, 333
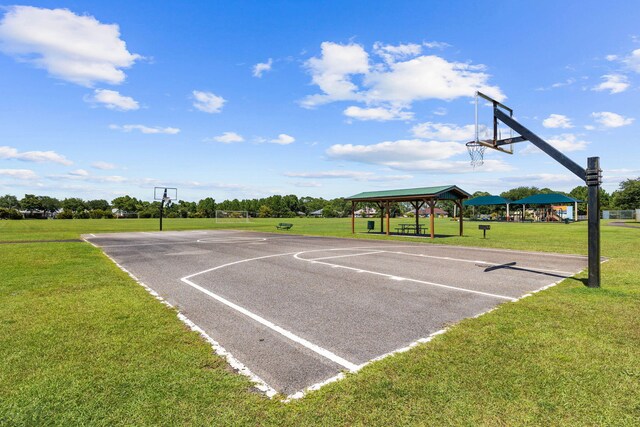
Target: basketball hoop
476, 152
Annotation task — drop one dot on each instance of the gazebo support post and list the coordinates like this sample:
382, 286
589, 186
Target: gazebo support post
388, 218
381, 207
507, 212
432, 208
459, 205
353, 217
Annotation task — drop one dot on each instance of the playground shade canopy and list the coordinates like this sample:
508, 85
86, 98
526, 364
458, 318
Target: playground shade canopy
487, 201
546, 199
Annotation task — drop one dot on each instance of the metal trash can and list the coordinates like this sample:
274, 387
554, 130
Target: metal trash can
370, 225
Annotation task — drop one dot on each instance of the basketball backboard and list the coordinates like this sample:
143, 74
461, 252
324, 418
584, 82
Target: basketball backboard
165, 193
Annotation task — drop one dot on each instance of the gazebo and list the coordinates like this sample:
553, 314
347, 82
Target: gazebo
418, 197
488, 201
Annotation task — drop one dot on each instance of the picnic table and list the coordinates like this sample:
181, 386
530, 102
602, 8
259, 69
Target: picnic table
411, 228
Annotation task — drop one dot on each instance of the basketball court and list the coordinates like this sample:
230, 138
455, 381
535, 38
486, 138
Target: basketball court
294, 312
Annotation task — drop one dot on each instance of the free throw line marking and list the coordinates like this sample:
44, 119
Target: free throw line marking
393, 277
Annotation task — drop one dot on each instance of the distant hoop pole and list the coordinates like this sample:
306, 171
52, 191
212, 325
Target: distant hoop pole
165, 198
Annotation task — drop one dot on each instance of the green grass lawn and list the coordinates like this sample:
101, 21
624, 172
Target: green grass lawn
82, 344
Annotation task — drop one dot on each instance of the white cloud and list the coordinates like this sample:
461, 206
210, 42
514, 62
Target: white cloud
379, 114
283, 139
611, 120
79, 172
444, 131
556, 85
614, 83
566, 142
146, 129
399, 80
262, 67
611, 57
391, 53
440, 111
208, 102
307, 184
228, 138
103, 165
633, 61
589, 127
112, 100
412, 155
74, 48
555, 121
34, 156
332, 70
22, 174
436, 45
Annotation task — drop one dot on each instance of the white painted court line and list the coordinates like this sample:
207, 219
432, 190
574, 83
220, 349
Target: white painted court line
285, 333
345, 256
259, 383
399, 278
290, 335
446, 258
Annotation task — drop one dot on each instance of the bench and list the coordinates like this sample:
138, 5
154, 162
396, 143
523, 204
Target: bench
284, 226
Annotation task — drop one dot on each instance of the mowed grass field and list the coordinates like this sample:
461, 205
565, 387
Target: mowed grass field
82, 344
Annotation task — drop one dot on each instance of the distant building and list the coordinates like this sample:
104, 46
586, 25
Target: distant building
439, 213
365, 212
316, 214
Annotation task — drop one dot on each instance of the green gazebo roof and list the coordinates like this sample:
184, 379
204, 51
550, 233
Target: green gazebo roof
445, 192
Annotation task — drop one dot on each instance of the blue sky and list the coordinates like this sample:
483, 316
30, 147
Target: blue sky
247, 99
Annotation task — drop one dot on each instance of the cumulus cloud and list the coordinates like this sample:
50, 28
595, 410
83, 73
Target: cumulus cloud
34, 156
379, 114
74, 48
614, 83
346, 73
22, 174
412, 155
79, 172
207, 101
103, 165
146, 129
112, 100
444, 131
566, 142
555, 121
436, 45
633, 61
332, 72
283, 139
262, 67
228, 138
611, 120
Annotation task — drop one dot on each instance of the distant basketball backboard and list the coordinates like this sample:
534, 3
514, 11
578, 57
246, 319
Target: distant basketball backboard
165, 193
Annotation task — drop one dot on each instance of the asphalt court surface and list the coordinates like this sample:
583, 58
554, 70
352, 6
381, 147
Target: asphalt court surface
298, 310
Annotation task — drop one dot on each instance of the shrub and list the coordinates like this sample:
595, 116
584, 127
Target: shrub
65, 214
81, 215
9, 213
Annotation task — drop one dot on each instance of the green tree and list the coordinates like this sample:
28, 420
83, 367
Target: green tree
30, 203
126, 203
265, 212
49, 204
207, 207
74, 204
628, 196
9, 202
520, 193
98, 204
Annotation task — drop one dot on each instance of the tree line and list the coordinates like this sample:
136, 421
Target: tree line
276, 206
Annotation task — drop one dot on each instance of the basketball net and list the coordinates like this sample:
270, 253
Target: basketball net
476, 153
